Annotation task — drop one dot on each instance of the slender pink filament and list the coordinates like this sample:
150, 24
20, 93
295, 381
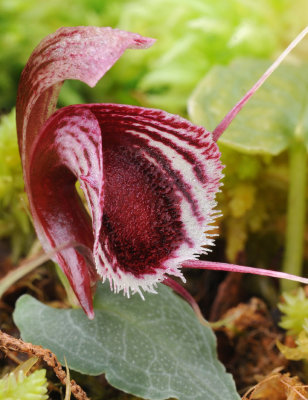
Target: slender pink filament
216, 266
223, 125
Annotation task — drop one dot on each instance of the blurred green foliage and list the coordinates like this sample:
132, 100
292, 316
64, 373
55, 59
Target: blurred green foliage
192, 35
14, 220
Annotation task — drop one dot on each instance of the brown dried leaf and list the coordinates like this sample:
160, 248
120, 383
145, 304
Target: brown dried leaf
252, 315
252, 337
277, 386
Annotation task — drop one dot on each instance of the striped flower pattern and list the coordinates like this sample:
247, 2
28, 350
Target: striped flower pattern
149, 178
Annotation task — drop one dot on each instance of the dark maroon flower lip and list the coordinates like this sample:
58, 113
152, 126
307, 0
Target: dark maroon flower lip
150, 180
149, 177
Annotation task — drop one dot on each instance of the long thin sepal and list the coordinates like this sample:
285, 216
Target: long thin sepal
216, 266
223, 125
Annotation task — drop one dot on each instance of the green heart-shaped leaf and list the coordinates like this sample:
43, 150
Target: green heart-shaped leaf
155, 348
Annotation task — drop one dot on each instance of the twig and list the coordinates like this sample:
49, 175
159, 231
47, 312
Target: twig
29, 264
8, 342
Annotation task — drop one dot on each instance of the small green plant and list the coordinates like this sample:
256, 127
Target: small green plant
295, 312
18, 385
295, 321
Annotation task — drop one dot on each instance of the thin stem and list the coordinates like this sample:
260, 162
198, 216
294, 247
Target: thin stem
294, 244
28, 266
216, 266
24, 268
223, 125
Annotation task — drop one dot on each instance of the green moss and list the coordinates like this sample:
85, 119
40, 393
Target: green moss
17, 386
295, 311
14, 221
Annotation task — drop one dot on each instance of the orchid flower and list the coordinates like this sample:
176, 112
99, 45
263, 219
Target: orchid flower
149, 177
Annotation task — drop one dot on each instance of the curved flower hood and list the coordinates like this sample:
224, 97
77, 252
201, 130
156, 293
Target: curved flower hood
149, 178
